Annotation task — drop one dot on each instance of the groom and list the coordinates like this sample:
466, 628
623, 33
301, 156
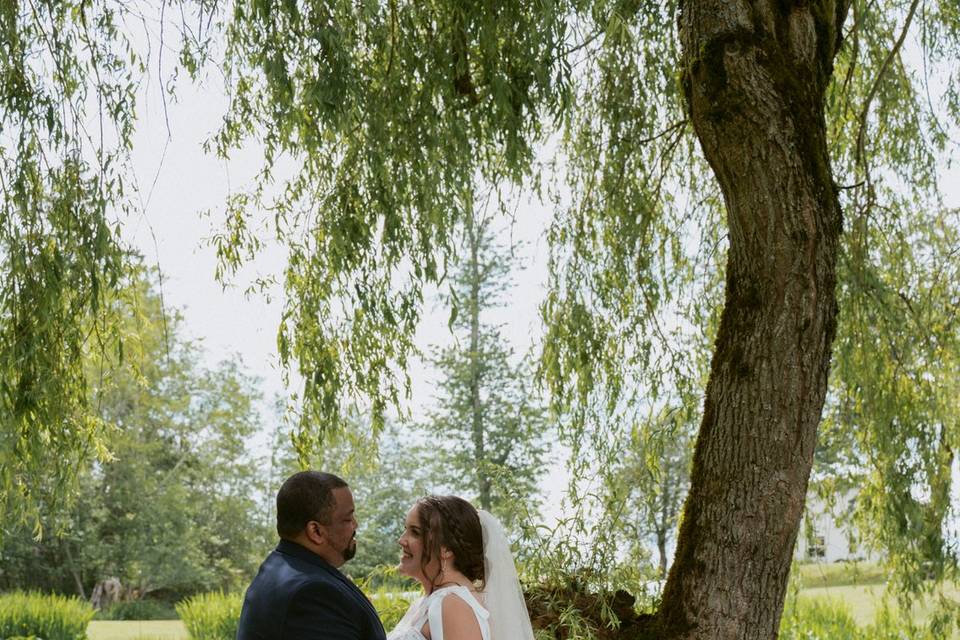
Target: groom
298, 593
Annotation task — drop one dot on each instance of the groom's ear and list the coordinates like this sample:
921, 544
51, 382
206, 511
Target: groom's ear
315, 532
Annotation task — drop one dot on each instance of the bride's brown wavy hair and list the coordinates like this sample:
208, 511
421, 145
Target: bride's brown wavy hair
452, 522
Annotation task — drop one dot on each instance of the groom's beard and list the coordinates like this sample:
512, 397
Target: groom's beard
351, 549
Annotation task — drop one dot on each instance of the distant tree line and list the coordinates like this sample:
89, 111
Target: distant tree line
176, 506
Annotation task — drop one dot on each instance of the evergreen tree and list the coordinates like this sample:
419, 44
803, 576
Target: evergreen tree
489, 424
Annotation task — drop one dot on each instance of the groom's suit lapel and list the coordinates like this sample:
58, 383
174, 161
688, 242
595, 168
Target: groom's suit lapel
297, 551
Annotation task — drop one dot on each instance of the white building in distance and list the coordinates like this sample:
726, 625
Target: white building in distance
827, 534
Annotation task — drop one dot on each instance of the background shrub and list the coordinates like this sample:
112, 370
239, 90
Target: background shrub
818, 620
50, 617
390, 604
891, 626
211, 616
825, 619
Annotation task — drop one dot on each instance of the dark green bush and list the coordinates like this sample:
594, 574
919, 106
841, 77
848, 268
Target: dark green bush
50, 617
139, 610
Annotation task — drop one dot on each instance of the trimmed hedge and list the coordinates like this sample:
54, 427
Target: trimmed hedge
214, 616
47, 616
211, 616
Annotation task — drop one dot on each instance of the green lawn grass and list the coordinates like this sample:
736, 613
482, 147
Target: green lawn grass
838, 574
136, 630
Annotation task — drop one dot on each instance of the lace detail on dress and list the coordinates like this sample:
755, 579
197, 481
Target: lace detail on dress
429, 609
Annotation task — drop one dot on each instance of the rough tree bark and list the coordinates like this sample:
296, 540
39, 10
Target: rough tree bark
755, 75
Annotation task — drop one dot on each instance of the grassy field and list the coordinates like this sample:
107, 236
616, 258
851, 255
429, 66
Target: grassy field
137, 630
840, 574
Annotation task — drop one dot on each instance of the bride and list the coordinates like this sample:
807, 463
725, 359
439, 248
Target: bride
462, 558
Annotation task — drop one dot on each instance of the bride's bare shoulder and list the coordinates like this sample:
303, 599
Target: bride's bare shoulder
458, 619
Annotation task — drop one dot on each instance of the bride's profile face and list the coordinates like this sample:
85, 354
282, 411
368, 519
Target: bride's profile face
411, 547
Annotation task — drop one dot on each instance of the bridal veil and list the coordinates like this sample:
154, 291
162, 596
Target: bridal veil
503, 597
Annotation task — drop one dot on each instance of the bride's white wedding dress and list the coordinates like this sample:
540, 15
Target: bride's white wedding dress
429, 609
502, 615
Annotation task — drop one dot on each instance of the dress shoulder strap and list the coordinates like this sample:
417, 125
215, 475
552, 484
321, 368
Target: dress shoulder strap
435, 612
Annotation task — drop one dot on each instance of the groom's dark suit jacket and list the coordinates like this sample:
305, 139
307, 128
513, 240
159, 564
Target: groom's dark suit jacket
299, 596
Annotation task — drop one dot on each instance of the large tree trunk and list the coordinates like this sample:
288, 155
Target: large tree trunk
755, 74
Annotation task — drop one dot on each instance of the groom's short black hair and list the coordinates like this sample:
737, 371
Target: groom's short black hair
305, 496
